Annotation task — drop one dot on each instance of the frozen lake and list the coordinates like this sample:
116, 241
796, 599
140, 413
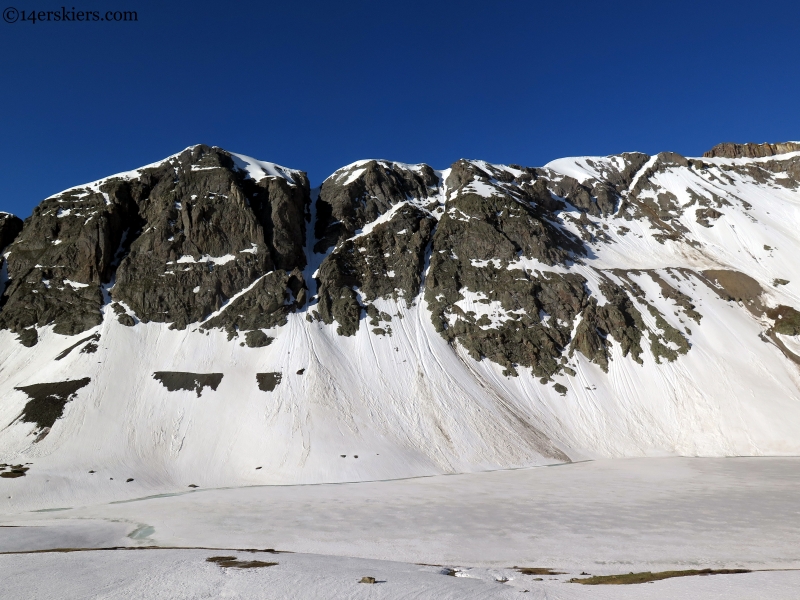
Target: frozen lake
601, 517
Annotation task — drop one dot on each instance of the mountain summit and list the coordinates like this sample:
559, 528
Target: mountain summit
210, 319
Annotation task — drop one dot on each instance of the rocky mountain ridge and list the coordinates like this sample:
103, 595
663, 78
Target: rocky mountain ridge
541, 273
750, 150
177, 241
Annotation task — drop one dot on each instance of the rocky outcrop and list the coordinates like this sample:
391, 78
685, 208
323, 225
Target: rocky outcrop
751, 150
386, 262
64, 254
598, 195
263, 305
357, 195
208, 232
196, 382
617, 319
177, 240
267, 382
485, 292
479, 294
10, 227
47, 402
647, 200
479, 233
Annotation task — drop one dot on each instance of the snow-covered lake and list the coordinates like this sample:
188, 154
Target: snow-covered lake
601, 517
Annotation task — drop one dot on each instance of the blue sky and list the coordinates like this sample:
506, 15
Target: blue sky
316, 85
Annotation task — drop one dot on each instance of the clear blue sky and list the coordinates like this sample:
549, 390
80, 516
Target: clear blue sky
316, 85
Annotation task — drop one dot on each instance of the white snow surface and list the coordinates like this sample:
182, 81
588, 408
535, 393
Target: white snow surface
188, 574
597, 517
259, 169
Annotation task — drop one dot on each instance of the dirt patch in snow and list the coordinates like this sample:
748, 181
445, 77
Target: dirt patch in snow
179, 380
233, 562
647, 576
13, 472
537, 571
739, 287
787, 322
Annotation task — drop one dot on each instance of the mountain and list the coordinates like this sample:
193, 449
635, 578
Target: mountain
212, 320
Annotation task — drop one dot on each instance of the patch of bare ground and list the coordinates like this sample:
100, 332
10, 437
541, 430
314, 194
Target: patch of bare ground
66, 550
13, 471
537, 571
739, 287
234, 562
647, 576
732, 285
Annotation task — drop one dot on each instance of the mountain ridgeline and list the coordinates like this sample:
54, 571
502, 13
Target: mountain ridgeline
213, 320
503, 257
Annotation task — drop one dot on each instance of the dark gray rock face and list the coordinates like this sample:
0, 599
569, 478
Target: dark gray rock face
386, 262
492, 218
750, 150
618, 318
178, 380
257, 339
482, 295
476, 240
597, 197
208, 232
267, 382
179, 239
47, 402
502, 227
10, 227
61, 258
534, 314
353, 197
266, 304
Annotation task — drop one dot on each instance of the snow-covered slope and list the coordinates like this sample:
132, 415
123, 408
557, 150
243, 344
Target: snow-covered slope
230, 326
